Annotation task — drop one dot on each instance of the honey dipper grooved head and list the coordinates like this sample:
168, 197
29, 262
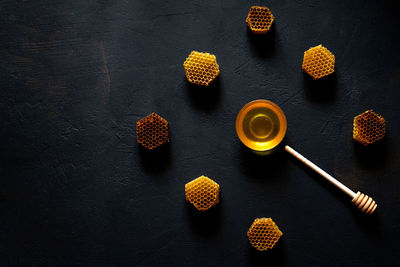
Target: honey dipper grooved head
202, 192
152, 131
259, 19
368, 127
318, 62
365, 203
263, 234
201, 68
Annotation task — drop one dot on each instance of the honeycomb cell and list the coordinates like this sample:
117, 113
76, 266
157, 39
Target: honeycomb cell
259, 19
318, 62
202, 192
368, 127
201, 68
152, 131
263, 234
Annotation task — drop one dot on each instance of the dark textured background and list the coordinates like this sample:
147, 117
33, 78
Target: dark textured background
75, 188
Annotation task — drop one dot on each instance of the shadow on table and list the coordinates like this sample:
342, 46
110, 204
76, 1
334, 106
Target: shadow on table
156, 160
373, 156
274, 257
323, 90
206, 98
272, 166
368, 223
262, 45
205, 223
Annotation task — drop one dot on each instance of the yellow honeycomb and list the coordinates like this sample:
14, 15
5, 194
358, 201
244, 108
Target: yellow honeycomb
259, 19
368, 127
263, 234
152, 131
318, 62
202, 192
201, 68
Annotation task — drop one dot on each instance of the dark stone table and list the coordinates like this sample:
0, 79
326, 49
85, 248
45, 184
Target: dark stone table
76, 189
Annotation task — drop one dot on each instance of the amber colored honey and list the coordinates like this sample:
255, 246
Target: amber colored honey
261, 125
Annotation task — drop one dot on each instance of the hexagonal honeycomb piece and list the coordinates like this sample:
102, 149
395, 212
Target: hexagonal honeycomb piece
202, 192
318, 62
263, 234
368, 127
259, 19
152, 131
201, 68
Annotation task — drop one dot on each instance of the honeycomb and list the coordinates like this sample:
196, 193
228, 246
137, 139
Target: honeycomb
259, 19
202, 192
152, 131
201, 68
263, 234
318, 62
368, 127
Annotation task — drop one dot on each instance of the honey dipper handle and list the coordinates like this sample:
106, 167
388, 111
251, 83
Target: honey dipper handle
321, 172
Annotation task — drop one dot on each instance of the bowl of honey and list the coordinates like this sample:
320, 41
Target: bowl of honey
261, 125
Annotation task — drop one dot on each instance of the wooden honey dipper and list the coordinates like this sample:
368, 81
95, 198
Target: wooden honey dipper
365, 203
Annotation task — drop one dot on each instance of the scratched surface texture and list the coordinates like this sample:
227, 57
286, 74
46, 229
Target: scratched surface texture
76, 189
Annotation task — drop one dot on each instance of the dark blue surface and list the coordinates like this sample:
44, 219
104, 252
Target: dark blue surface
75, 189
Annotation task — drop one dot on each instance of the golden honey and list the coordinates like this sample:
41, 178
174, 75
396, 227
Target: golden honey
261, 125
